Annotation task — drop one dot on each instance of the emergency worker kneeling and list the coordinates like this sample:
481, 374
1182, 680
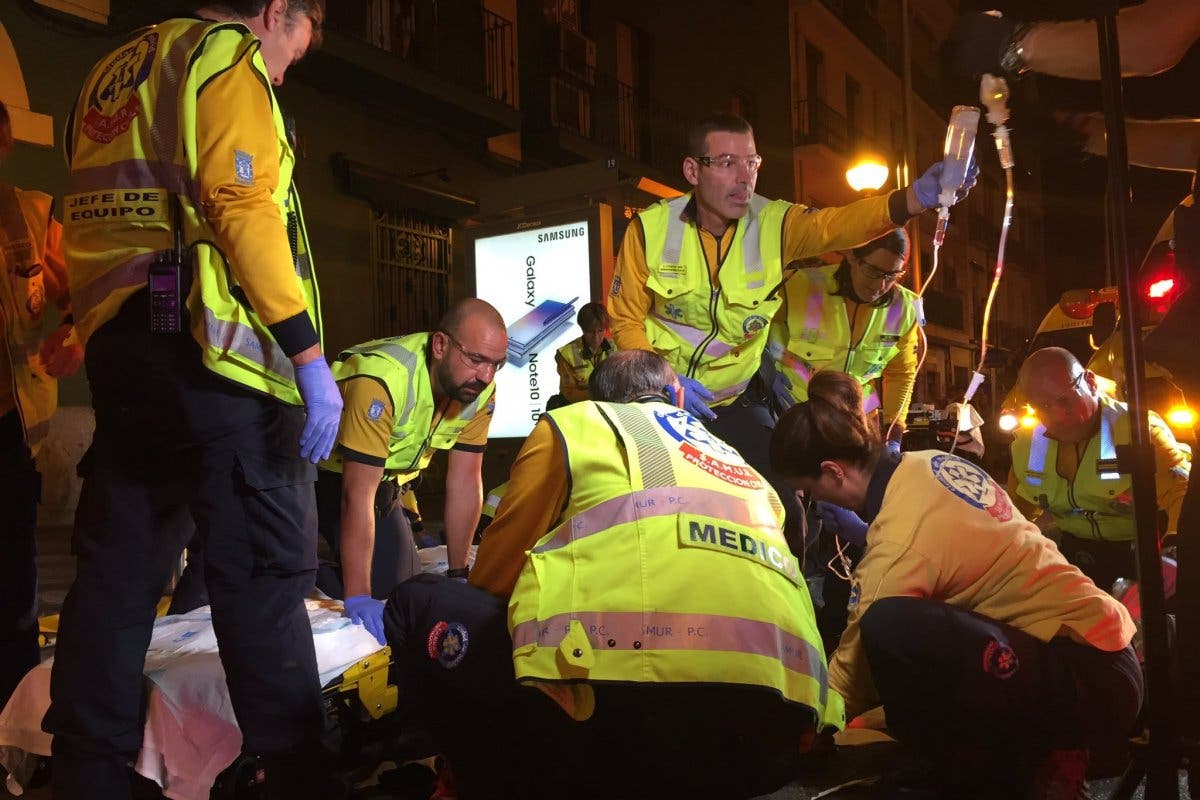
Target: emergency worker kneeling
636, 573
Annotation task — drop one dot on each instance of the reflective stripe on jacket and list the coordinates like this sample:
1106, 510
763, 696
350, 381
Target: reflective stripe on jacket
668, 565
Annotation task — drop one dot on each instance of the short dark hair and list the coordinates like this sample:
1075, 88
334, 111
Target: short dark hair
697, 135
313, 9
592, 316
629, 374
6, 134
894, 241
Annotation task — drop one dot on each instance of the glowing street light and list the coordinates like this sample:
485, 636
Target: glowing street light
867, 174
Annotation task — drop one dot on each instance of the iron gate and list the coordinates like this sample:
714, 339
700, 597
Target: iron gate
411, 254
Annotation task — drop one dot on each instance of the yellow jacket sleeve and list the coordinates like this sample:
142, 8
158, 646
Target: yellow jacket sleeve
899, 377
1172, 470
567, 385
366, 424
811, 232
537, 490
886, 570
56, 267
629, 300
1031, 511
235, 126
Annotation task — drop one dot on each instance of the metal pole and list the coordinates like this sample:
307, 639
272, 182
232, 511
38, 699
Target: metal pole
1137, 458
910, 139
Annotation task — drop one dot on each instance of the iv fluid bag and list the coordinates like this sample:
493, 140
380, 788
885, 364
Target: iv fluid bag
960, 145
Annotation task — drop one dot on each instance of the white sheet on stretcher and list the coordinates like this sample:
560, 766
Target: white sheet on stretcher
190, 734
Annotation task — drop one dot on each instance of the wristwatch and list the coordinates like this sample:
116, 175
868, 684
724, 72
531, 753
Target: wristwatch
1012, 58
460, 572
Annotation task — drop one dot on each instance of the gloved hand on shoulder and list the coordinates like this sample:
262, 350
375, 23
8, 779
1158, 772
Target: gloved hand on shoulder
696, 398
323, 404
928, 186
843, 522
362, 609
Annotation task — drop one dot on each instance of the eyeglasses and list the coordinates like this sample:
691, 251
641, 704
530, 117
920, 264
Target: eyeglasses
877, 274
474, 360
1063, 400
727, 161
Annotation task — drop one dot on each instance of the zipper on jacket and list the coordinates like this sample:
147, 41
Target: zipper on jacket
713, 295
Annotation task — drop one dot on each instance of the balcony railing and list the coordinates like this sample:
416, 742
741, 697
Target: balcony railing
854, 15
817, 123
472, 47
615, 115
500, 58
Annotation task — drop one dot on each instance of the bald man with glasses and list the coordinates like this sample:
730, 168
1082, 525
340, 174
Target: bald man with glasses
405, 398
1065, 467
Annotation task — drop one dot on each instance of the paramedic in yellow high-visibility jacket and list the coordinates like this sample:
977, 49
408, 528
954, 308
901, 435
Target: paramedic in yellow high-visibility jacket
992, 656
653, 600
1066, 467
698, 278
856, 318
211, 391
34, 278
578, 359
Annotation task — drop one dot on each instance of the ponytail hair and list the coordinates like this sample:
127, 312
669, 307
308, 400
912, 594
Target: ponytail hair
829, 425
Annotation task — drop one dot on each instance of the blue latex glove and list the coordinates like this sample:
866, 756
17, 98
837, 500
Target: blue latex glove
782, 389
323, 402
695, 398
844, 522
894, 447
929, 186
362, 609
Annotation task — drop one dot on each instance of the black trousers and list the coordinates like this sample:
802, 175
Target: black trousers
20, 492
171, 439
1102, 561
507, 740
982, 697
394, 558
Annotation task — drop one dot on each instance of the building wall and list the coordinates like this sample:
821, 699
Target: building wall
869, 55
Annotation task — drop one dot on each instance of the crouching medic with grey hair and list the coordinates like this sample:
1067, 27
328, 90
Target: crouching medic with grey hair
633, 606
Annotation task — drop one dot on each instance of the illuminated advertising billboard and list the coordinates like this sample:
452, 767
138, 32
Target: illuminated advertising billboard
537, 278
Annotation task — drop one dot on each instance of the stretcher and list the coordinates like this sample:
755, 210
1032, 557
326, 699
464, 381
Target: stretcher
191, 743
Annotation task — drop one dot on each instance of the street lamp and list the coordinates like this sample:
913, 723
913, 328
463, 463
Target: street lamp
867, 174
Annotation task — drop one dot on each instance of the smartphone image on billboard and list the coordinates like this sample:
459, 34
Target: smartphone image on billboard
534, 329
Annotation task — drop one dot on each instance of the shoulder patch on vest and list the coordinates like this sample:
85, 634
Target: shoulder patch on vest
113, 103
375, 410
972, 485
753, 324
701, 449
616, 287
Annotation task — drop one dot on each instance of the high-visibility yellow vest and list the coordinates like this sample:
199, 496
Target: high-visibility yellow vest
24, 220
581, 366
668, 565
401, 365
716, 337
1098, 503
819, 333
131, 145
